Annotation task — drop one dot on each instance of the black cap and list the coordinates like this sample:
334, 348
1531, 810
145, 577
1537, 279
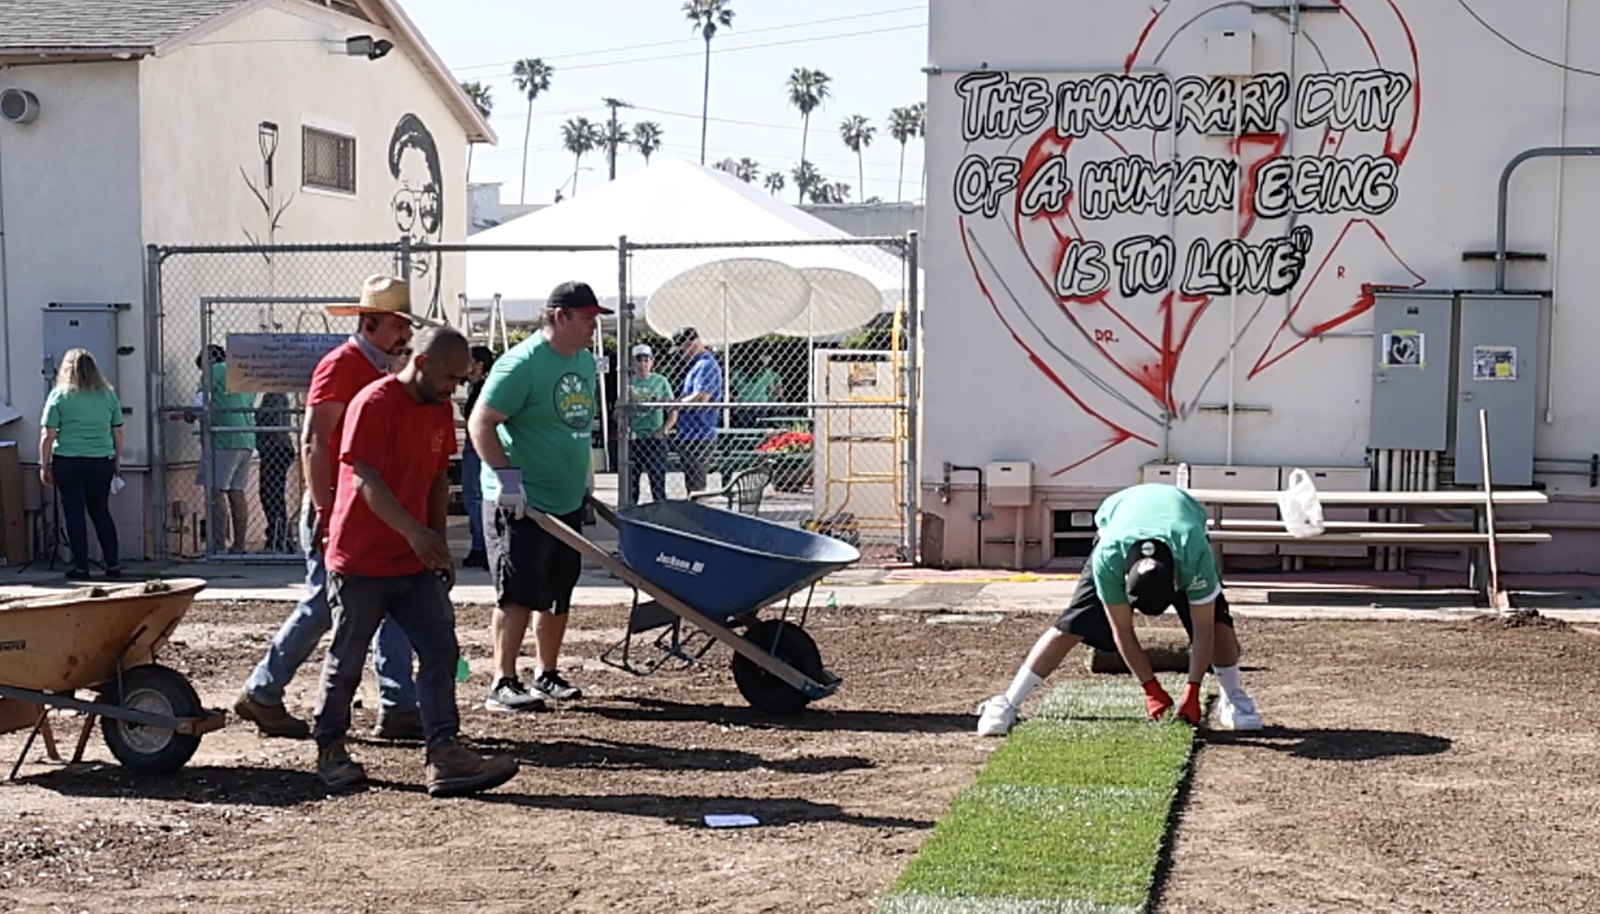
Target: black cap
576, 296
684, 336
1152, 576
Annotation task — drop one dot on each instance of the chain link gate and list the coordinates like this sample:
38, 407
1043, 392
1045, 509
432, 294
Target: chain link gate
812, 373
234, 328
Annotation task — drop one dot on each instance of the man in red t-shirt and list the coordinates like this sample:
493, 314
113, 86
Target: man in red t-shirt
387, 558
384, 335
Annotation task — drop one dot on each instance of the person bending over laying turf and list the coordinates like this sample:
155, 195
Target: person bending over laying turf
1150, 552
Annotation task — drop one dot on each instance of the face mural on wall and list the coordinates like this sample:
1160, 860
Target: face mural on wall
1103, 253
419, 201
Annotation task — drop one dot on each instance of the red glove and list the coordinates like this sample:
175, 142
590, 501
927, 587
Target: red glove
1189, 704
1156, 699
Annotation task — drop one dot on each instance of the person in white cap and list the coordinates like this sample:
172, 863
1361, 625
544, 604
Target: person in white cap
647, 449
382, 338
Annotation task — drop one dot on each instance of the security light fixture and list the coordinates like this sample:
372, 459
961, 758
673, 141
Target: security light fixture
367, 46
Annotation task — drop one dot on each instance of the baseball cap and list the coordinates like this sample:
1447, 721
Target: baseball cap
684, 336
643, 349
576, 296
1151, 576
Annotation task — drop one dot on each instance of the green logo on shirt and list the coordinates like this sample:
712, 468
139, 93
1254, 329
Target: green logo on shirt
574, 401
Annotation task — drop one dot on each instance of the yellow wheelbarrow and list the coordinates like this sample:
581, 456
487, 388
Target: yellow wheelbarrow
103, 639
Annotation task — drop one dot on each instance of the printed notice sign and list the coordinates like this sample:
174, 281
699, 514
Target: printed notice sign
1494, 363
1404, 349
276, 362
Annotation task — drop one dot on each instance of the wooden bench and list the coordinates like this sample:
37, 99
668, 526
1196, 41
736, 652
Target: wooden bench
1475, 535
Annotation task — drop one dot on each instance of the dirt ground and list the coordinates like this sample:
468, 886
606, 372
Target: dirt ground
1411, 767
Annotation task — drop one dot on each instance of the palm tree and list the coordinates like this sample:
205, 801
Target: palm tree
578, 136
904, 124
484, 102
746, 169
838, 192
707, 16
774, 182
857, 133
807, 89
647, 138
921, 111
807, 179
532, 77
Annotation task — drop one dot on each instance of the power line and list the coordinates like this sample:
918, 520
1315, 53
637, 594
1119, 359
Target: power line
1535, 55
674, 41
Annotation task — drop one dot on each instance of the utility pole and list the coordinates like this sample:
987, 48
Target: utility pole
612, 134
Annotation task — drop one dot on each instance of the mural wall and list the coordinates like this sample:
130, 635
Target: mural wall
1141, 214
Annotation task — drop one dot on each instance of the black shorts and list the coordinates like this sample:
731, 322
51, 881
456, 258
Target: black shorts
531, 568
1086, 616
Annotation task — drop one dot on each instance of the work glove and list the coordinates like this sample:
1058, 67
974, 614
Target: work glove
1156, 699
1189, 704
511, 496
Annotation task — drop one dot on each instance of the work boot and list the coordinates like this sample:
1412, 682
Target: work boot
454, 770
271, 720
477, 558
400, 725
336, 769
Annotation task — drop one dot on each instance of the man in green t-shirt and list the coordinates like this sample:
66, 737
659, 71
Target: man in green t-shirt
531, 429
647, 448
228, 471
762, 384
1151, 551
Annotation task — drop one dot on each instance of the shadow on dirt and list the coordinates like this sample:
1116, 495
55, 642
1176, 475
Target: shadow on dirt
813, 718
691, 811
616, 755
1335, 745
243, 785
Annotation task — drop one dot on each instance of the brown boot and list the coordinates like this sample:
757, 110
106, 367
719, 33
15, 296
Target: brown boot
399, 725
272, 720
454, 770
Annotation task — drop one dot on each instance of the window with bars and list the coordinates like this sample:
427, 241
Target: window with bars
328, 160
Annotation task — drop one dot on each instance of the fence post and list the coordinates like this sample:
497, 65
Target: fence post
913, 395
625, 496
155, 383
403, 256
207, 456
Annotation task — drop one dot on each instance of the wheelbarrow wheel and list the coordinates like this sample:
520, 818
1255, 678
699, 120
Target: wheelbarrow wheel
145, 749
792, 646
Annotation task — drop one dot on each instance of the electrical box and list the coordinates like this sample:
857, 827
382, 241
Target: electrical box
1010, 484
1230, 52
1160, 472
1412, 343
81, 326
1498, 365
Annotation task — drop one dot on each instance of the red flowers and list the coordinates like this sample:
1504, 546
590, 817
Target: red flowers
786, 443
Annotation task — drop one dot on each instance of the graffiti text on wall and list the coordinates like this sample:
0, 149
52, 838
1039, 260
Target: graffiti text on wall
995, 106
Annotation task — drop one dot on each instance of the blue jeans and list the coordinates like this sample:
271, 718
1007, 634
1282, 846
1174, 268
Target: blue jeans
311, 619
472, 494
421, 606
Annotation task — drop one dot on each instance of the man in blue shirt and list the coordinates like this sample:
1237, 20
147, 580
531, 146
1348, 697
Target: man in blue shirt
697, 426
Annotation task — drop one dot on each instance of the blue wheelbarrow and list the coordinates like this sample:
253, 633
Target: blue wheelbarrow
708, 573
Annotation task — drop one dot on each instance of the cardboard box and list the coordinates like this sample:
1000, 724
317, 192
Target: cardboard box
13, 516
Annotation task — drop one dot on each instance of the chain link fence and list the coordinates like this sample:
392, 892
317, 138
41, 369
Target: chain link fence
803, 355
775, 379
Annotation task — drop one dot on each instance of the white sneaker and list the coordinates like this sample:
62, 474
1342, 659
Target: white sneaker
1237, 715
996, 716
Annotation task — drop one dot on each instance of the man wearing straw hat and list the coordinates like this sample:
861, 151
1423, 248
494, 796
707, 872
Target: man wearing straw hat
531, 428
381, 339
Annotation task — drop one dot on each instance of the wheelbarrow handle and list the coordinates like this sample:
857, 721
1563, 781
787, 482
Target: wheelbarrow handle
602, 510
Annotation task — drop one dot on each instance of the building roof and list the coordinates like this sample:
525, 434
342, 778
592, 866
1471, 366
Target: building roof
110, 25
100, 29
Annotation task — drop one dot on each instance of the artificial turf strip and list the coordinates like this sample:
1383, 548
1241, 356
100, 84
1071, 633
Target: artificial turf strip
1068, 815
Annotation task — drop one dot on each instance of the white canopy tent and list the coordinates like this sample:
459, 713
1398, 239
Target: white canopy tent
676, 201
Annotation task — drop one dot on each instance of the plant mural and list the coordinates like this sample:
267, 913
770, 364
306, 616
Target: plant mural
1113, 219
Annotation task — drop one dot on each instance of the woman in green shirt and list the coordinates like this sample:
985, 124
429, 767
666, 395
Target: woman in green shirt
80, 443
647, 452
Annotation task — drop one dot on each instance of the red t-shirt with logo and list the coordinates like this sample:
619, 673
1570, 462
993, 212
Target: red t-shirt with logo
339, 377
409, 444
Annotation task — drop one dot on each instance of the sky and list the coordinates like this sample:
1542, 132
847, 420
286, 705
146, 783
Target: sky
647, 53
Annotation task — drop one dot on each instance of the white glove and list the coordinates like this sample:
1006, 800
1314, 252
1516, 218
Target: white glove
511, 495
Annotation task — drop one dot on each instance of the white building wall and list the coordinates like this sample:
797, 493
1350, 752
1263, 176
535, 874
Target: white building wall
71, 212
1077, 374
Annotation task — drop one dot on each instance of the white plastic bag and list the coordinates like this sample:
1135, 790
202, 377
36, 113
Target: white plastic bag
1300, 507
